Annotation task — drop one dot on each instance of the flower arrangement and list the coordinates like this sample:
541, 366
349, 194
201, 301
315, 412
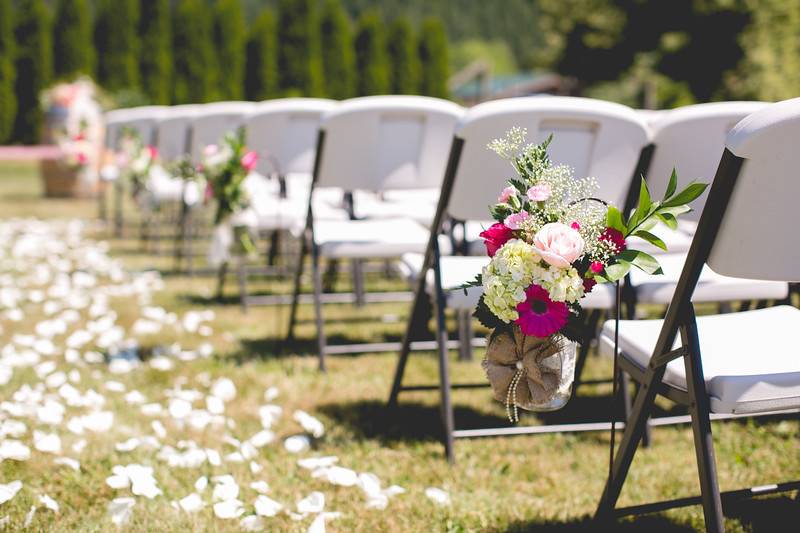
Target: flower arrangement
135, 159
225, 168
552, 242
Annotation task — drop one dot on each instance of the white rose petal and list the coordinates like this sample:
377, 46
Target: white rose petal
297, 444
438, 496
309, 423
49, 503
14, 449
120, 510
224, 389
69, 462
228, 509
9, 490
251, 522
266, 506
261, 487
191, 503
47, 442
313, 503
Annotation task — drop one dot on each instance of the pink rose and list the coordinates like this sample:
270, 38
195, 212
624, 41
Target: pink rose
515, 221
249, 161
540, 193
211, 149
152, 152
495, 237
558, 244
507, 193
596, 267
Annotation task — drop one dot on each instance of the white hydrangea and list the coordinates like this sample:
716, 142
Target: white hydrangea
514, 268
506, 277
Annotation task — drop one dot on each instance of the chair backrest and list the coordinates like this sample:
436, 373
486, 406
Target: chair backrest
141, 119
594, 137
690, 139
172, 131
213, 121
757, 235
378, 143
284, 133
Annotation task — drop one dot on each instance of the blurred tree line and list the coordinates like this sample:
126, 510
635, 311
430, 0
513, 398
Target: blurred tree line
187, 51
649, 53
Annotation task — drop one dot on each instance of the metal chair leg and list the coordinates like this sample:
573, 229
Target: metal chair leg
298, 277
242, 275
317, 281
701, 430
222, 273
358, 282
464, 318
448, 421
118, 216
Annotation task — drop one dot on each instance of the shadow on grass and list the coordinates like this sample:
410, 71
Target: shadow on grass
408, 421
776, 514
276, 347
650, 524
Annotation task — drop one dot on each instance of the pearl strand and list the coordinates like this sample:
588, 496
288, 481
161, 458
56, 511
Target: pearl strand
511, 394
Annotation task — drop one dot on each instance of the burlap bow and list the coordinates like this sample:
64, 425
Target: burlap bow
515, 369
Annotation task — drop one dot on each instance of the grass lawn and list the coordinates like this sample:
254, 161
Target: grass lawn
542, 483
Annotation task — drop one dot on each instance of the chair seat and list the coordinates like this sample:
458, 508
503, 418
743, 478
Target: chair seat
379, 238
751, 359
711, 287
457, 270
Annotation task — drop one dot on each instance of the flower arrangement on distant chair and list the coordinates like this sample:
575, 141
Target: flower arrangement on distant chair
135, 159
552, 242
225, 168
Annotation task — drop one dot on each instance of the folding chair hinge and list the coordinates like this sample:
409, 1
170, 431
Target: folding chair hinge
664, 358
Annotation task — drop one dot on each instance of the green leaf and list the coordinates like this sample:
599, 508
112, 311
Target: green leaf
616, 271
643, 207
641, 260
674, 211
670, 221
477, 282
690, 193
652, 239
614, 220
672, 185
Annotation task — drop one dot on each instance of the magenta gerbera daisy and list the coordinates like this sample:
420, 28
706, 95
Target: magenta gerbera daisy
539, 316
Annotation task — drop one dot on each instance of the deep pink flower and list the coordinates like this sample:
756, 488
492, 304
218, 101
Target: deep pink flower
515, 221
83, 159
249, 161
596, 267
495, 237
575, 226
539, 316
152, 152
588, 285
209, 192
615, 238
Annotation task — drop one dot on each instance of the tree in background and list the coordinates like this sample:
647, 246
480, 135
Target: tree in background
299, 62
261, 74
371, 58
229, 38
403, 57
34, 66
8, 100
116, 38
72, 38
156, 57
195, 65
338, 56
771, 67
433, 55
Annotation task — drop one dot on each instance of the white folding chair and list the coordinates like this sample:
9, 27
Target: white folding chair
210, 124
596, 138
689, 139
142, 120
743, 363
373, 144
284, 134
